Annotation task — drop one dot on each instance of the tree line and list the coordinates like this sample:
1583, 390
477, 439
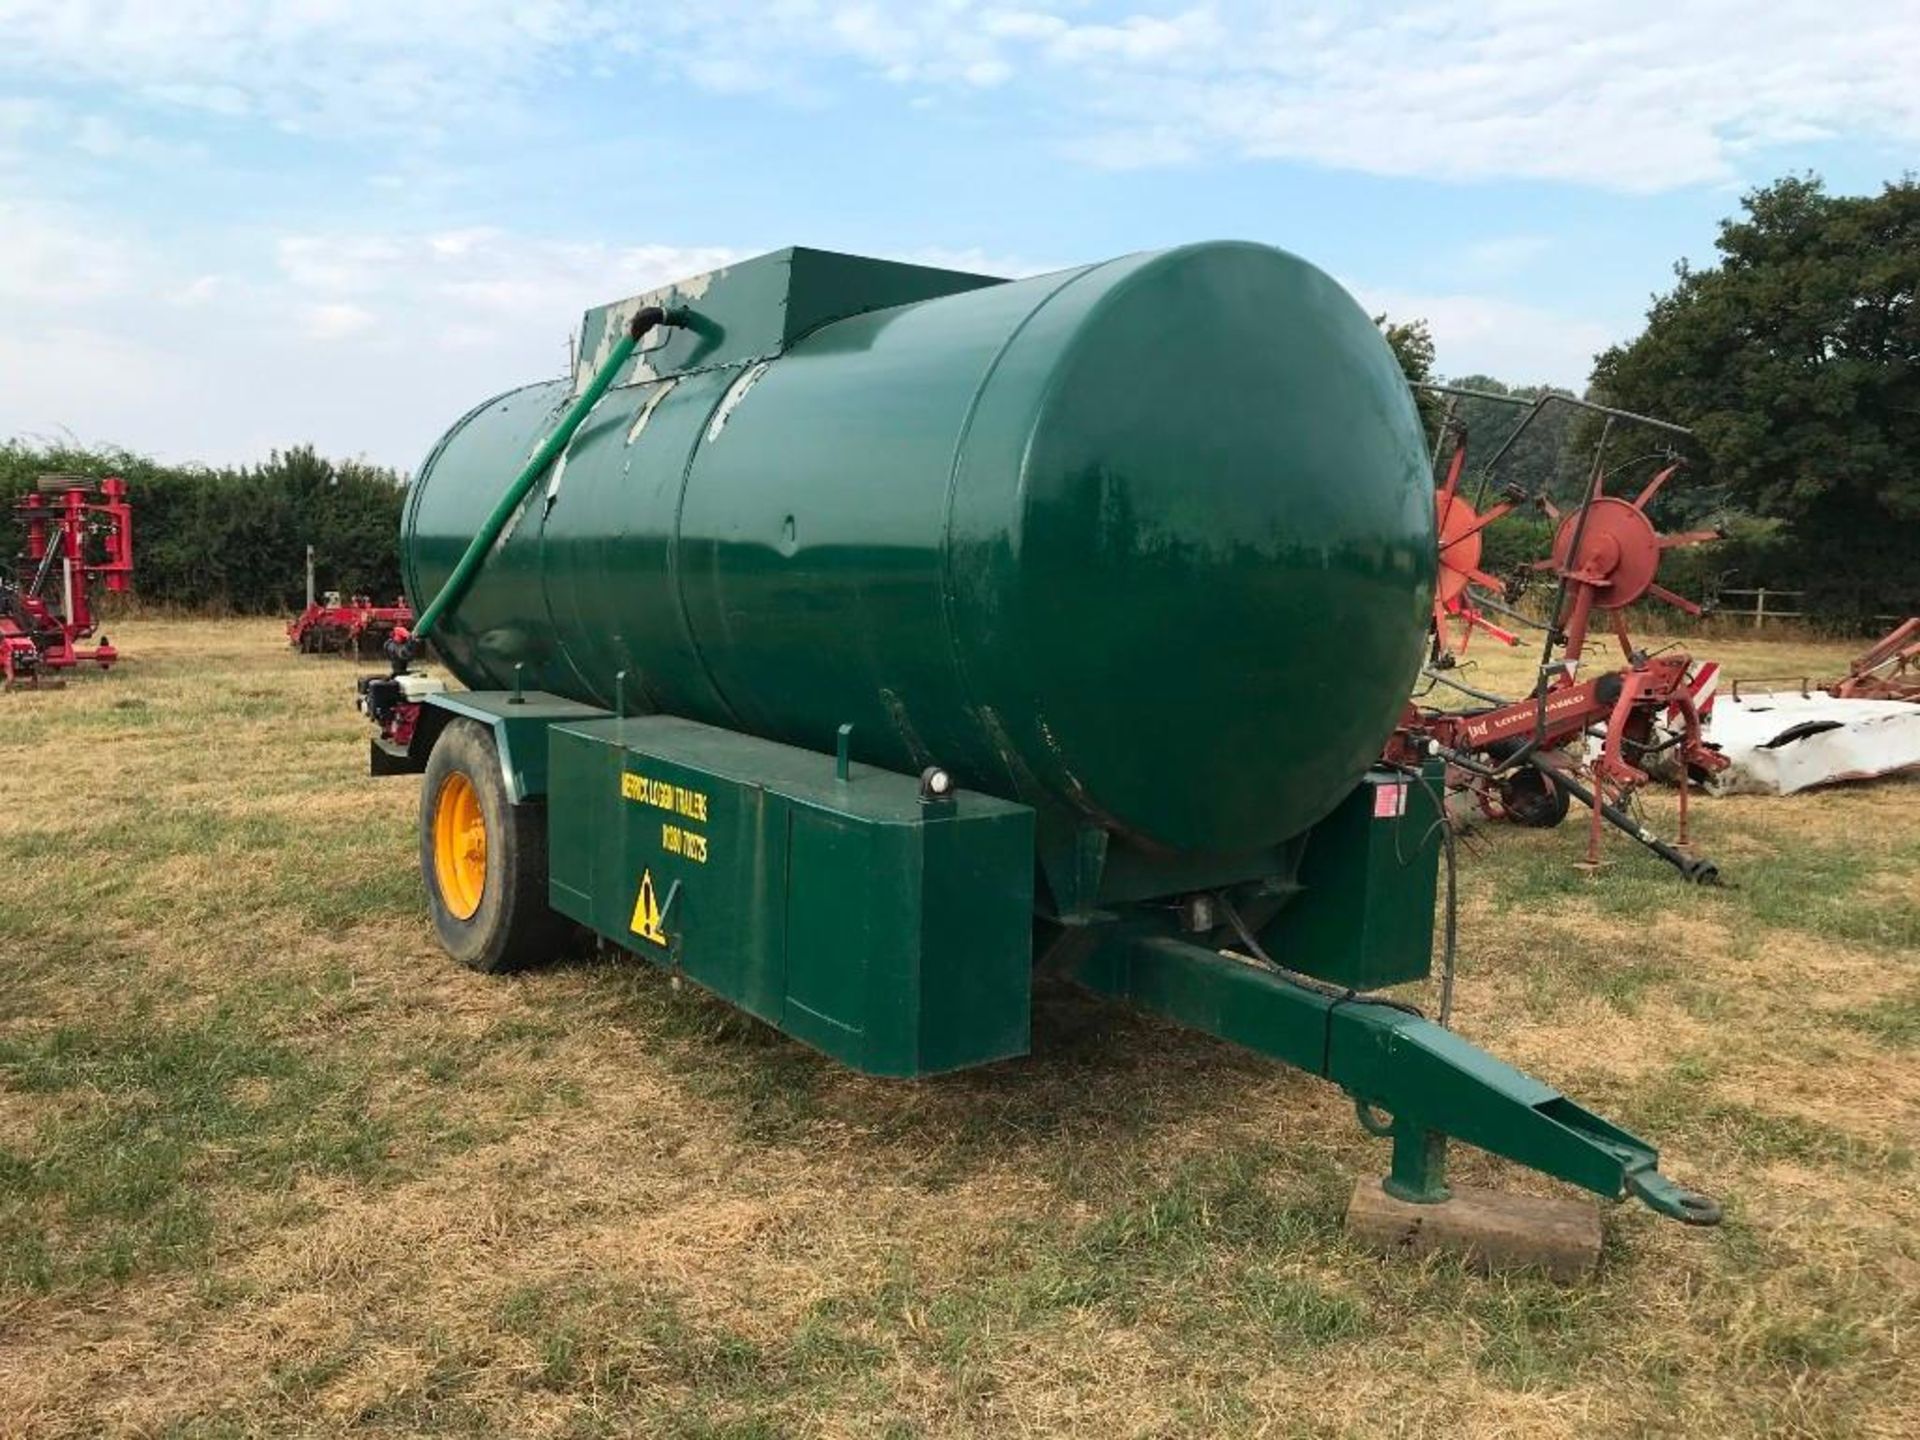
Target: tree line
1795, 361
234, 539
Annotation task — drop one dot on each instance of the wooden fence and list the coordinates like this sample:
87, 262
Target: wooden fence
1761, 611
1771, 605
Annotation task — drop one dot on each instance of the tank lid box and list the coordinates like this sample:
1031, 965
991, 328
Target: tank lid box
757, 308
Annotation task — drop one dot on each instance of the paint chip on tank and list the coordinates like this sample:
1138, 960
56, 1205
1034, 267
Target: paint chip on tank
646, 410
731, 402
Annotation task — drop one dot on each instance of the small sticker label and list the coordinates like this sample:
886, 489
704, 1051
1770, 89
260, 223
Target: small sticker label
646, 912
1389, 801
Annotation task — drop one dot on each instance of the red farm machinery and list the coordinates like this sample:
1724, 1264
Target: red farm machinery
1888, 670
78, 534
1520, 759
351, 625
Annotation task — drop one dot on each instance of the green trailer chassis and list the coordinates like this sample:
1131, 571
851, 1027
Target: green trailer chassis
891, 924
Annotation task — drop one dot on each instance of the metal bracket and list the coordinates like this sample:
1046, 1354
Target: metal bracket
519, 721
1672, 1199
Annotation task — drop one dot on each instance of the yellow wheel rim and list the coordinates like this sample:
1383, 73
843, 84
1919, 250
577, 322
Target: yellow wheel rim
459, 846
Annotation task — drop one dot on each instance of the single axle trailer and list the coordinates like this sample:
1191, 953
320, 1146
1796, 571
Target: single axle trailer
853, 639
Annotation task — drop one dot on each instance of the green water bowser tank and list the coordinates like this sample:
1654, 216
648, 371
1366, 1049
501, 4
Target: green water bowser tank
1146, 544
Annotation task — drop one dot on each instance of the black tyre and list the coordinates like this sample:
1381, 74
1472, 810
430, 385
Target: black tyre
1532, 800
483, 858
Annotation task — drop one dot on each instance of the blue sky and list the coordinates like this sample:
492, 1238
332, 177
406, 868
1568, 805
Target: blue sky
229, 227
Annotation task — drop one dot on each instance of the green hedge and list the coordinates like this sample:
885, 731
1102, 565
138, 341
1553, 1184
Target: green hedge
234, 540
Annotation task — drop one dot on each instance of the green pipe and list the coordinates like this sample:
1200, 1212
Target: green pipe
482, 543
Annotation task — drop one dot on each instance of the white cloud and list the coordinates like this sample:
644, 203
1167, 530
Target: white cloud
18, 115
360, 343
327, 65
99, 383
1135, 148
372, 337
1141, 39
1487, 335
201, 290
50, 256
1642, 95
1502, 253
338, 320
1647, 97
232, 101
336, 264
984, 74
107, 139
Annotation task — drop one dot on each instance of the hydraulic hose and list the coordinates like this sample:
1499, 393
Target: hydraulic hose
461, 578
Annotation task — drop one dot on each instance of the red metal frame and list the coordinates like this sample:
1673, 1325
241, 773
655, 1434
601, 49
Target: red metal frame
353, 625
1622, 703
76, 536
1890, 670
1606, 554
1459, 527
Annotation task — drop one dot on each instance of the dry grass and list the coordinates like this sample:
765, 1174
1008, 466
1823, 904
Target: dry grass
270, 1164
1744, 658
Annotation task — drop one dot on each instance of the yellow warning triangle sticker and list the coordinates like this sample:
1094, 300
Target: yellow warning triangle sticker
646, 912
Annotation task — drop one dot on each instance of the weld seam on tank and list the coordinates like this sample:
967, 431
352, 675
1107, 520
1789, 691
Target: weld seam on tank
720, 365
676, 571
666, 385
416, 491
949, 597
560, 645
1073, 791
547, 595
1074, 795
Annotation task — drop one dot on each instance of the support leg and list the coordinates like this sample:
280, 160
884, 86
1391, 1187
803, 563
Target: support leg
1419, 1171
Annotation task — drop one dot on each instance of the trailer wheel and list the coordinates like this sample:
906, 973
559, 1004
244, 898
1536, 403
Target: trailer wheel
484, 859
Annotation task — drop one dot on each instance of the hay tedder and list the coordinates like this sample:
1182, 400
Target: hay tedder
1517, 758
77, 535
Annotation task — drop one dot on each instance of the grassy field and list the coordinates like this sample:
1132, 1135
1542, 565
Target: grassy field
271, 1164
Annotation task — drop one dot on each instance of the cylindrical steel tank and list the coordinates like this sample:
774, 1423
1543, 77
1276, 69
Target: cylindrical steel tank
1147, 543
